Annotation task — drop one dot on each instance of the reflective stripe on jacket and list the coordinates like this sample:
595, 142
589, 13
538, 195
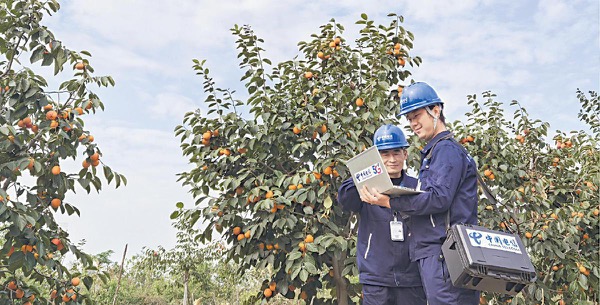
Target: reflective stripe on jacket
380, 260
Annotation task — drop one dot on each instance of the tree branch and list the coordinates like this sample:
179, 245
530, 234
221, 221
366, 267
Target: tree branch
10, 62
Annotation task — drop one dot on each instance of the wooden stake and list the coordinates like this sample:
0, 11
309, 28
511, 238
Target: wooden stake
119, 278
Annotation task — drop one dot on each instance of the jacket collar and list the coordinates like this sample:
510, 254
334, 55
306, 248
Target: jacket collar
433, 142
402, 175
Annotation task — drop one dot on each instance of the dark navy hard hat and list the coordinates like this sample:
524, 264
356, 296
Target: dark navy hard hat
417, 95
389, 137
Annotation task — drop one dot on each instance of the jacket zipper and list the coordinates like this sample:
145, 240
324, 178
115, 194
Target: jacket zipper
368, 245
431, 218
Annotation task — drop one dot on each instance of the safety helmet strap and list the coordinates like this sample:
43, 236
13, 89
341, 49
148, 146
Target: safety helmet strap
435, 117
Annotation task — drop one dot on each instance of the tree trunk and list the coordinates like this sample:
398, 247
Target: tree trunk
186, 279
340, 282
338, 264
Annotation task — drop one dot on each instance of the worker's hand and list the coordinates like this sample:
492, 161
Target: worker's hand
372, 196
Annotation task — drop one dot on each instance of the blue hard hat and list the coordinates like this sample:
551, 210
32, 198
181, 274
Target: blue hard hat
389, 137
417, 95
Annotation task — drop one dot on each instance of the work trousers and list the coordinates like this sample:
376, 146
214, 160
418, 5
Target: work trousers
438, 285
380, 295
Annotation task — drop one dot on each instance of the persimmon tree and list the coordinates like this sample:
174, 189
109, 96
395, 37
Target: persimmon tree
40, 130
267, 183
200, 272
184, 262
548, 193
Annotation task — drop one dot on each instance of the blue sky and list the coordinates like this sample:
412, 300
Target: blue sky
536, 52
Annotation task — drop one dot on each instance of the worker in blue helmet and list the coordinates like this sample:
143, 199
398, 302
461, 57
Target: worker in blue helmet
448, 178
385, 271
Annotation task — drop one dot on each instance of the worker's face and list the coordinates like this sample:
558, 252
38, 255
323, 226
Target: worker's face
393, 159
421, 123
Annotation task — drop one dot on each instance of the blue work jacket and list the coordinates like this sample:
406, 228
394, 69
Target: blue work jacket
381, 261
449, 181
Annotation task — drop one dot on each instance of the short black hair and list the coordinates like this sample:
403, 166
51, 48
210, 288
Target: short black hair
442, 117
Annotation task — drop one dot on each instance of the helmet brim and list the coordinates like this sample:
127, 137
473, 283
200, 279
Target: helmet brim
419, 105
391, 146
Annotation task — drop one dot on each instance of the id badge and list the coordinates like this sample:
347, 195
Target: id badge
396, 230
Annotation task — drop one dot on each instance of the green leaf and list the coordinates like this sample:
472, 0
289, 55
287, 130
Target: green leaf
322, 190
310, 268
327, 203
30, 219
88, 281
19, 221
29, 261
294, 255
37, 54
346, 270
311, 247
85, 183
61, 59
16, 260
108, 174
48, 60
583, 281
308, 210
303, 275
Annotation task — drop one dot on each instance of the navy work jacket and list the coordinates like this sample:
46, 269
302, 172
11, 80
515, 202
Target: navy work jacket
449, 181
381, 261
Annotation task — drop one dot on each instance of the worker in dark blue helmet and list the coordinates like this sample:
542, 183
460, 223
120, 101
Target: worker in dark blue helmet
385, 271
449, 181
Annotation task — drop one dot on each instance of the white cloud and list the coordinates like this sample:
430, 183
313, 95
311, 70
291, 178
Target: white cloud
171, 104
431, 11
553, 14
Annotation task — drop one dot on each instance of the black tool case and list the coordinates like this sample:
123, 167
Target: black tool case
482, 259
